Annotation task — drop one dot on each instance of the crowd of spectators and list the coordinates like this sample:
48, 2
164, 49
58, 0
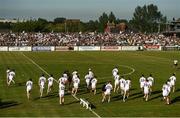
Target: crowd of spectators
85, 39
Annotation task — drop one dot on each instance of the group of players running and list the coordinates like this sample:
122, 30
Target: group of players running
120, 84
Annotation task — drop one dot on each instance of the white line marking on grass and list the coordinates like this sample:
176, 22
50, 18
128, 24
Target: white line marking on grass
35, 64
132, 71
49, 75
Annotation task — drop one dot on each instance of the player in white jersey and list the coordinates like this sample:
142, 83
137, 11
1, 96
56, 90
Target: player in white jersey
122, 84
165, 92
29, 85
175, 63
91, 74
114, 71
50, 83
74, 72
173, 81
87, 79
63, 79
11, 77
76, 82
42, 81
141, 81
108, 89
151, 82
93, 84
146, 90
127, 87
7, 75
116, 82
61, 92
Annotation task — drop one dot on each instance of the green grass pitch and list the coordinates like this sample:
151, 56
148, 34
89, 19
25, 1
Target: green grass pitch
13, 101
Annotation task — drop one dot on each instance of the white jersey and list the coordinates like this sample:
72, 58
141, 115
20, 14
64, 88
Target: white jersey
146, 87
61, 89
175, 62
29, 85
74, 76
93, 83
7, 72
62, 79
91, 74
116, 79
165, 90
169, 84
114, 71
65, 75
50, 81
141, 81
42, 81
172, 80
127, 85
108, 88
150, 80
11, 75
87, 79
122, 83
76, 82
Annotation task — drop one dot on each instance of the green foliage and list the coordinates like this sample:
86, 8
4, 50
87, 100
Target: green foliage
147, 18
59, 20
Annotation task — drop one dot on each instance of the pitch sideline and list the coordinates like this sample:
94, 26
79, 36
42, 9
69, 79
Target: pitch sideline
56, 80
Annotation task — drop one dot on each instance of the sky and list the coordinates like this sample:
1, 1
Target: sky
84, 10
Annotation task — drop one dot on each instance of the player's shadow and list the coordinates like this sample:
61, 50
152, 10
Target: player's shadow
21, 84
176, 99
135, 94
177, 90
117, 97
8, 104
73, 102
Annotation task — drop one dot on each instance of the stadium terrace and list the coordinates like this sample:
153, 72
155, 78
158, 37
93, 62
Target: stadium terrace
86, 39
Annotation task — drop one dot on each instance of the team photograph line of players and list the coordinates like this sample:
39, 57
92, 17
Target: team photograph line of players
120, 85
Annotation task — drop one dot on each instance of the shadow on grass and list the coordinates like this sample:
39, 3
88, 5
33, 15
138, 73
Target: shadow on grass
73, 102
8, 104
21, 84
176, 99
177, 90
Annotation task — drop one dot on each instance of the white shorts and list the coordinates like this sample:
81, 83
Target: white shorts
87, 82
107, 93
150, 83
146, 91
116, 82
76, 85
126, 89
50, 84
165, 93
28, 89
10, 78
172, 83
122, 87
93, 86
61, 93
42, 86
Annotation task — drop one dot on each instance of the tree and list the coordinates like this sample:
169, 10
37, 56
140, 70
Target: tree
147, 18
59, 20
103, 21
112, 17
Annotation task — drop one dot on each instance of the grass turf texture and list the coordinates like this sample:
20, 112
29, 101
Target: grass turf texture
14, 102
